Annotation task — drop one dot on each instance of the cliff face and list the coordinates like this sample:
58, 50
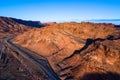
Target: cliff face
36, 24
12, 25
76, 49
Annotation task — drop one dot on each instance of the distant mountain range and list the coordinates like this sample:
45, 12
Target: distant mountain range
104, 20
113, 21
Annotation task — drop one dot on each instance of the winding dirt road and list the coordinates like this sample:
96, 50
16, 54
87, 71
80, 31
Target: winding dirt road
36, 64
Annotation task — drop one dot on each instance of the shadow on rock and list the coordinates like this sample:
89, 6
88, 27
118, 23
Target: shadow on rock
102, 76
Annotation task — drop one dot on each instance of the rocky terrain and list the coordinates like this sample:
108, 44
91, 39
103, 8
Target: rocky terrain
69, 51
77, 51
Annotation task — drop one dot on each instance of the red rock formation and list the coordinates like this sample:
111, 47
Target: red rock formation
49, 23
76, 49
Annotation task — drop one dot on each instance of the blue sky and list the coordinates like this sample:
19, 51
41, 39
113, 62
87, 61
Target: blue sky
60, 10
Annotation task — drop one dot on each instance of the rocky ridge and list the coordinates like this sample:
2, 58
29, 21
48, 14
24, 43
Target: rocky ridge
14, 26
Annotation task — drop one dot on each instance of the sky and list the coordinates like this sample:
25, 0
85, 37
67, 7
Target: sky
60, 10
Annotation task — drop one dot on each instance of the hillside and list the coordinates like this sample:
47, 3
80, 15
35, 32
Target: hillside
77, 51
12, 25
